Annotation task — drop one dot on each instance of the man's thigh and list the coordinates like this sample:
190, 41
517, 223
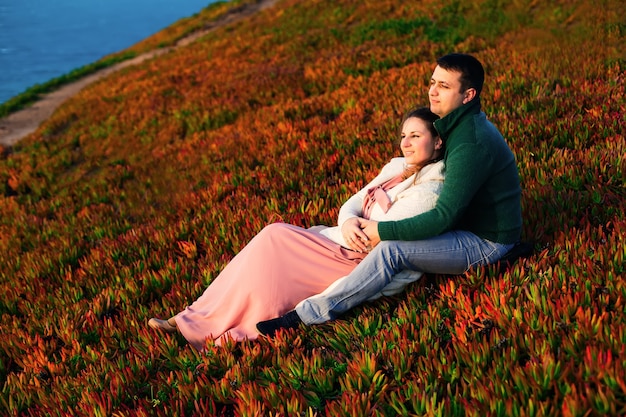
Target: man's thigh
449, 253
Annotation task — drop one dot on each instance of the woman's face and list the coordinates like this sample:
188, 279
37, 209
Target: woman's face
417, 143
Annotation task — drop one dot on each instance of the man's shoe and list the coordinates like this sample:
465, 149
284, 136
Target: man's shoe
520, 250
290, 320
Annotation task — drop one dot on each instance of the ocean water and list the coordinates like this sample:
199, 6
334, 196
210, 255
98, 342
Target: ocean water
44, 39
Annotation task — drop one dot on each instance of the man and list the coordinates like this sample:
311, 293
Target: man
477, 218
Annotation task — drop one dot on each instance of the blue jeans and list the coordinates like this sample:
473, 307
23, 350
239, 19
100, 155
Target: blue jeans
451, 253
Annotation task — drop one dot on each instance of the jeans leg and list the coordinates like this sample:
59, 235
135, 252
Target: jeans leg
451, 253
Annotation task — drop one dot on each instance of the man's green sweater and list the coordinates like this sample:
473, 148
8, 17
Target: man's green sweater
481, 191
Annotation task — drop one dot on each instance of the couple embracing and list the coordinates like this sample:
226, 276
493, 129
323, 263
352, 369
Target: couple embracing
452, 202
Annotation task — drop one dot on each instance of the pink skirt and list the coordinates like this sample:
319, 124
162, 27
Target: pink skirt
278, 268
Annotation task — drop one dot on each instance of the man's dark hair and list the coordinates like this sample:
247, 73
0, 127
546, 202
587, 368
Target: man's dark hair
472, 71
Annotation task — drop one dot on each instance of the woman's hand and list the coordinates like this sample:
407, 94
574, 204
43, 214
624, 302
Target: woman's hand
354, 236
370, 228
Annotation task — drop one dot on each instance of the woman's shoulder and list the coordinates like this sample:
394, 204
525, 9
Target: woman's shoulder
432, 172
397, 161
395, 165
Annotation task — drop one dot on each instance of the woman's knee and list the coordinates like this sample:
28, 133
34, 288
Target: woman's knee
275, 232
274, 228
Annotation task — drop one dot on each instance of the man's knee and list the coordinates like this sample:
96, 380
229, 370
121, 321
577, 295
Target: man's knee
389, 253
386, 248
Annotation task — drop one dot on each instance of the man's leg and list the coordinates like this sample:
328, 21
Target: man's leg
451, 253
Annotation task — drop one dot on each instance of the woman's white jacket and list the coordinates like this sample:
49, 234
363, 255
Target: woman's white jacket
415, 195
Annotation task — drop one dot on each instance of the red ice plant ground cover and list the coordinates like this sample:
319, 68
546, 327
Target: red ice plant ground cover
137, 192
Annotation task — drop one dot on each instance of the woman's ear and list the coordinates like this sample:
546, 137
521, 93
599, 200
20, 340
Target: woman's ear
438, 143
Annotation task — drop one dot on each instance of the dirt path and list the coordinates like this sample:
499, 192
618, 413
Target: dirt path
17, 125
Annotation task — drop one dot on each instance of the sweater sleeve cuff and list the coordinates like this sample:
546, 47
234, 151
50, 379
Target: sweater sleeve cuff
386, 231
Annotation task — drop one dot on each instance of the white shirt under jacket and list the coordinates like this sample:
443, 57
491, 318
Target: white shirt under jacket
415, 195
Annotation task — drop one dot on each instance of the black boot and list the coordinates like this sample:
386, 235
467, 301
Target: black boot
520, 250
290, 320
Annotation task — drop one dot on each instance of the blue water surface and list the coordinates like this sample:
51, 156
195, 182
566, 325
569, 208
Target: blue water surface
44, 39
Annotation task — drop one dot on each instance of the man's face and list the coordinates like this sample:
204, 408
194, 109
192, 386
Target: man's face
445, 93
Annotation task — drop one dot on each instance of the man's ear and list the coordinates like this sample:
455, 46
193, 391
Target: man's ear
470, 93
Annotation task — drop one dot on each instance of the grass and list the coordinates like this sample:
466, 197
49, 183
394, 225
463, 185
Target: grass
132, 197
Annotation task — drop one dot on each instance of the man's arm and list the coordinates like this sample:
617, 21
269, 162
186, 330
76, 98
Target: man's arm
467, 168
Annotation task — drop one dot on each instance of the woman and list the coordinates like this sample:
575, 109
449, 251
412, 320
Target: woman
284, 264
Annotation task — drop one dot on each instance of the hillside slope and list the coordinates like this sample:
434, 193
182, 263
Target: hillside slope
137, 191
